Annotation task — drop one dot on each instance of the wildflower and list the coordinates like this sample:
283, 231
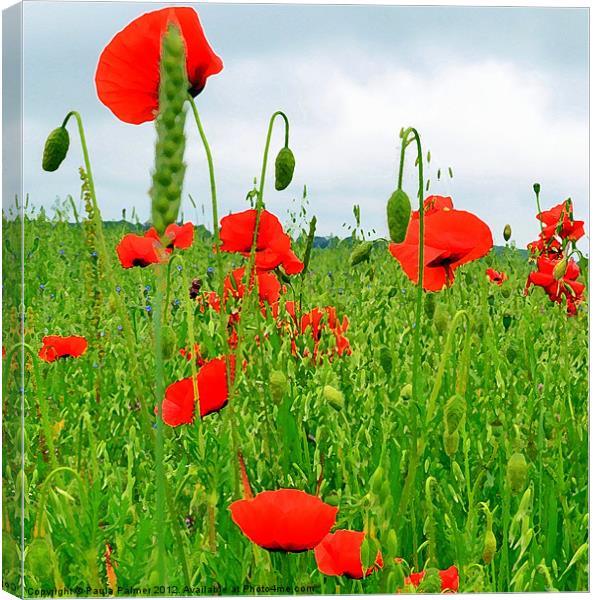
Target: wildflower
273, 245
127, 77
120, 328
138, 251
286, 519
175, 236
449, 579
210, 270
269, 288
57, 346
339, 554
194, 289
495, 276
179, 407
451, 238
148, 308
559, 221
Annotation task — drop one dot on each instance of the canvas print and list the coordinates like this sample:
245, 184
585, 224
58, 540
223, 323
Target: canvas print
295, 299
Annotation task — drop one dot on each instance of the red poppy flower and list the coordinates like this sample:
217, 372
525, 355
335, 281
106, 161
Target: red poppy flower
57, 346
286, 520
273, 245
449, 579
557, 289
550, 248
127, 77
189, 355
138, 251
434, 204
269, 288
559, 221
175, 236
451, 239
339, 554
496, 277
178, 407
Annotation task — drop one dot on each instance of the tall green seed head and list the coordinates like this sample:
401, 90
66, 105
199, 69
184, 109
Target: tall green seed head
168, 177
398, 212
516, 472
55, 149
284, 167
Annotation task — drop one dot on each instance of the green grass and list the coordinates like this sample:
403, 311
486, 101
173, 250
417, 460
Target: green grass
526, 390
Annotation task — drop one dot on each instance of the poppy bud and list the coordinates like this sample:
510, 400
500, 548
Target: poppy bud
360, 253
56, 149
454, 413
516, 472
489, 546
284, 167
536, 188
278, 385
451, 443
507, 232
334, 397
38, 556
406, 392
431, 583
376, 480
560, 269
386, 359
398, 211
506, 321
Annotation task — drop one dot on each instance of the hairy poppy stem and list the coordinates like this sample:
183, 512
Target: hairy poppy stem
105, 259
415, 400
221, 274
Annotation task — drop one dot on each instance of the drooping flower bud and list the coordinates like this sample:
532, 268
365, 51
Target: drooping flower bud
507, 232
454, 413
516, 472
451, 443
536, 188
56, 149
284, 167
168, 177
489, 546
377, 480
398, 212
334, 397
360, 253
560, 269
278, 385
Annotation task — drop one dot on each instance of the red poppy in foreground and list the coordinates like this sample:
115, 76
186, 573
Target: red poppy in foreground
179, 408
57, 346
127, 76
434, 204
339, 554
566, 287
449, 579
559, 221
138, 251
273, 245
451, 239
496, 277
285, 520
175, 236
551, 248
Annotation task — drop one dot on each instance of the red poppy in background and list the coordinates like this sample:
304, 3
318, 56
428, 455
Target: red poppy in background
175, 236
273, 245
558, 289
339, 554
495, 276
286, 520
451, 239
139, 251
434, 204
57, 346
178, 407
269, 288
127, 76
559, 221
449, 579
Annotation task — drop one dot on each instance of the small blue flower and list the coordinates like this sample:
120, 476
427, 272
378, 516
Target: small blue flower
21, 390
147, 288
210, 270
176, 302
94, 254
154, 426
179, 267
403, 291
120, 327
42, 286
61, 251
95, 365
118, 289
330, 273
148, 308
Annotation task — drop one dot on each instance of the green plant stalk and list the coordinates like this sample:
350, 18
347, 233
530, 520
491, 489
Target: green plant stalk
104, 256
159, 441
231, 385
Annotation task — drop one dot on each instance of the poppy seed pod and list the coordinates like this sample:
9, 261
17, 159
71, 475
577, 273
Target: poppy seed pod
278, 385
516, 472
451, 443
56, 149
489, 546
454, 413
360, 253
284, 167
398, 212
170, 169
334, 397
507, 232
560, 269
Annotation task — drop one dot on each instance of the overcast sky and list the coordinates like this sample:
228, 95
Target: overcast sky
498, 94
